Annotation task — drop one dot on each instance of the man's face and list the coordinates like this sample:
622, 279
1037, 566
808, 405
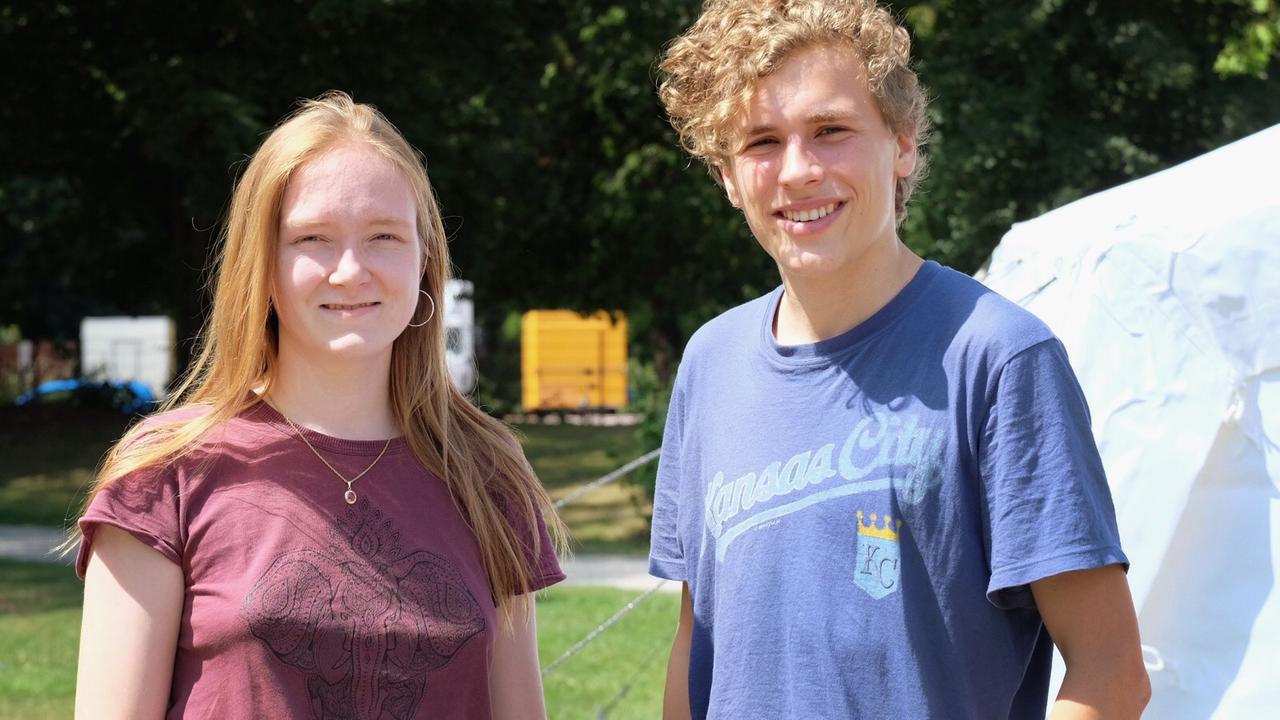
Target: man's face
815, 165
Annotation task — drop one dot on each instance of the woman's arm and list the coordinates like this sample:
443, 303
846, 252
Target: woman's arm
515, 677
133, 600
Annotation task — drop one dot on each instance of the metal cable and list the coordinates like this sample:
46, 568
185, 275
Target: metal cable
602, 713
578, 646
647, 457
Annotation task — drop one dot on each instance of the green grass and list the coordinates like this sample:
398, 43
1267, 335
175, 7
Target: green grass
39, 637
622, 670
51, 451
610, 519
50, 454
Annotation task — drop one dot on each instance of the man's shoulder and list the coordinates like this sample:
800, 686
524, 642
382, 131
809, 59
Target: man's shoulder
984, 320
737, 328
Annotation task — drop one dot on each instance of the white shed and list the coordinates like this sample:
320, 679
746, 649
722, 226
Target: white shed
460, 333
122, 349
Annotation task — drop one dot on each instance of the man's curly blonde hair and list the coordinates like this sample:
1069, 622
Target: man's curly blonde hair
710, 72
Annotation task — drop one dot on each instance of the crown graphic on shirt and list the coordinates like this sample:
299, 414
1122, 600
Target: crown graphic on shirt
887, 531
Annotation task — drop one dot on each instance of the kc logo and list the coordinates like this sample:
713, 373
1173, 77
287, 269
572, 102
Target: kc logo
878, 561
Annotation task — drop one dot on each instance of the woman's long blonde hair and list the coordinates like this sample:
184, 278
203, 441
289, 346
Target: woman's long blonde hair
476, 455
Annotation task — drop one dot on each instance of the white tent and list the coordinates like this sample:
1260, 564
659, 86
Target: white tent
1166, 292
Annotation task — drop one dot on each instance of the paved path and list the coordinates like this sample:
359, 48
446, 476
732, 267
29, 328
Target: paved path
26, 542
618, 571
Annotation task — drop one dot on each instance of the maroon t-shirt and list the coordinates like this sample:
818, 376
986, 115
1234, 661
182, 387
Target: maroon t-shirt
300, 605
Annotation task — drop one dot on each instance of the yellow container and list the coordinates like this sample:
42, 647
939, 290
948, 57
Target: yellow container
571, 362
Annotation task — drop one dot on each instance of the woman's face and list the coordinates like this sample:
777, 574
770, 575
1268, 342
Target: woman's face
348, 258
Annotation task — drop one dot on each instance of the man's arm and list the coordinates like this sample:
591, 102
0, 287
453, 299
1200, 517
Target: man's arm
1090, 616
675, 699
515, 679
133, 599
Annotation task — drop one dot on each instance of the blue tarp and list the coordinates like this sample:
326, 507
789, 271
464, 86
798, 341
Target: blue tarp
129, 396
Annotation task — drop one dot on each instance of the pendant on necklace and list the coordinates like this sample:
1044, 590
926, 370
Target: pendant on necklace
349, 496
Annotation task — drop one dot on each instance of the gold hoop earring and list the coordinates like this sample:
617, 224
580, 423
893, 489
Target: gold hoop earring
430, 315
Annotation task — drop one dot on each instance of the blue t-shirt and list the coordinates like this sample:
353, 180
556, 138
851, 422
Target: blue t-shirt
859, 519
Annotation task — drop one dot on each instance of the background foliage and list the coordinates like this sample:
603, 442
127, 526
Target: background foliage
126, 123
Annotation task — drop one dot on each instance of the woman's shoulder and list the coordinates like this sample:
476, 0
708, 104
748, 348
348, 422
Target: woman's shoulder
201, 429
175, 416
157, 428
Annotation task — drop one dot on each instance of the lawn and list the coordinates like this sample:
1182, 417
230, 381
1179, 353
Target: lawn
51, 451
39, 634
613, 518
620, 673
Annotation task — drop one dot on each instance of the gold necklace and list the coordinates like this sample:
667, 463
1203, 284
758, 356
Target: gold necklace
349, 495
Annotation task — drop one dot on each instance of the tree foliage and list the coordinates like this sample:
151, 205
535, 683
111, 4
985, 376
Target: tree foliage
1252, 50
126, 124
129, 122
1039, 103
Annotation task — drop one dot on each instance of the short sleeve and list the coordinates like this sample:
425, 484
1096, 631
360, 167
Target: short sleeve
544, 566
1048, 509
666, 554
145, 505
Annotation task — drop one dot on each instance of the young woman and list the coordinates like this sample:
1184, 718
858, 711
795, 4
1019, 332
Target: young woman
320, 525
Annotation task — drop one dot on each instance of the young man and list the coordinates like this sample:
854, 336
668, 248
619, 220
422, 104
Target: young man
878, 482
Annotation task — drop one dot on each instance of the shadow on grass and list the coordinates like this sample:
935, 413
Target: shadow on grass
636, 546
28, 588
50, 453
565, 455
606, 513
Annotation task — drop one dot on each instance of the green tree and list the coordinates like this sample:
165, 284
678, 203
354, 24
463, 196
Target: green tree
1252, 50
1040, 102
127, 124
561, 183
621, 219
